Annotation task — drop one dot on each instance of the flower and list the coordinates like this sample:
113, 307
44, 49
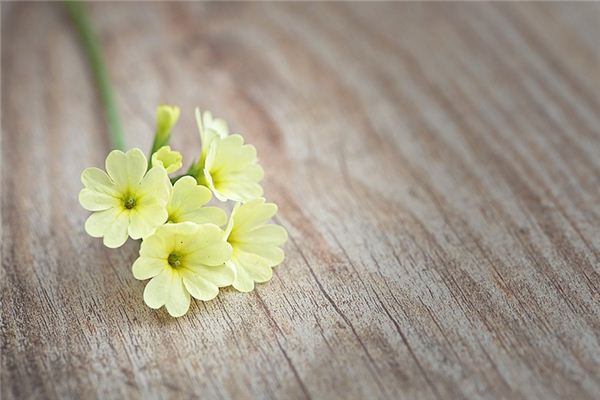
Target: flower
183, 259
169, 159
128, 201
187, 201
231, 170
166, 118
255, 244
209, 128
227, 166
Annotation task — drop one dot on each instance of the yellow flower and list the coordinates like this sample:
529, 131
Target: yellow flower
227, 166
166, 118
232, 171
183, 259
255, 244
128, 201
187, 201
209, 128
169, 159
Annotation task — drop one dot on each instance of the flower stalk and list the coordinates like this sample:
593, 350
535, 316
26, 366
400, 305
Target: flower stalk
96, 60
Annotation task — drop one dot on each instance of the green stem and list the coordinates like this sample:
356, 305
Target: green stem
96, 60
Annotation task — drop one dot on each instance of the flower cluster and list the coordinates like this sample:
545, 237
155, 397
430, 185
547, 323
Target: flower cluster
188, 249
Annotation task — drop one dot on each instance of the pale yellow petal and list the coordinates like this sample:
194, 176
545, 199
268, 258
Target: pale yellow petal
116, 166
272, 255
157, 290
187, 195
178, 237
154, 246
205, 215
242, 281
183, 228
144, 219
97, 180
220, 275
216, 124
231, 154
97, 223
116, 233
96, 201
155, 187
239, 190
178, 299
211, 185
169, 159
186, 204
146, 267
208, 247
229, 226
200, 288
256, 267
262, 235
222, 152
253, 214
208, 129
126, 169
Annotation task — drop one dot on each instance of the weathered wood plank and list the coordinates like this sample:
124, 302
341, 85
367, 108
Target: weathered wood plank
436, 166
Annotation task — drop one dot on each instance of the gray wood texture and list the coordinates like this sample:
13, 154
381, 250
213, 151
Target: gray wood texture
436, 165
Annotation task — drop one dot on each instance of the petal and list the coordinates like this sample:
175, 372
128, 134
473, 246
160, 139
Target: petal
252, 214
155, 188
179, 236
153, 246
146, 267
178, 299
208, 247
270, 234
126, 169
97, 223
258, 268
169, 159
188, 195
116, 233
220, 275
204, 122
229, 226
157, 290
144, 219
210, 183
232, 154
183, 229
97, 180
242, 281
224, 153
200, 288
240, 190
205, 215
272, 255
96, 201
216, 124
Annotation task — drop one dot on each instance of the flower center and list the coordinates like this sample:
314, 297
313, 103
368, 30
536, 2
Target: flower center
129, 202
174, 260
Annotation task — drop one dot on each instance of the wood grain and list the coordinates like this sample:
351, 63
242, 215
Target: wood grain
437, 168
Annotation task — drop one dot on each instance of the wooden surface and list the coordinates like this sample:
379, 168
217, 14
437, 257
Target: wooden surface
437, 168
